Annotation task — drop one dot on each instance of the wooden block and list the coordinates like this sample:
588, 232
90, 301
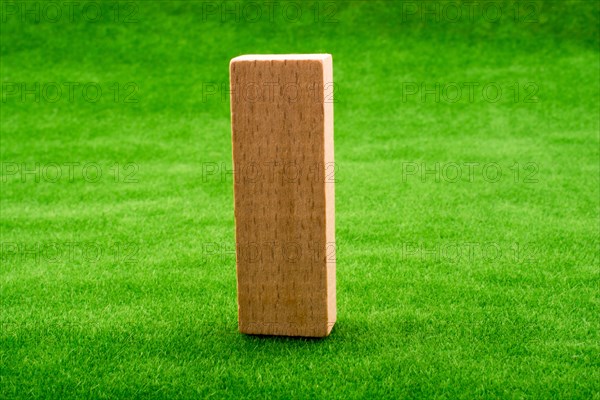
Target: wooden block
282, 131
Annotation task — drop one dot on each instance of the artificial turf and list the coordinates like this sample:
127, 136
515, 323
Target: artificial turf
122, 285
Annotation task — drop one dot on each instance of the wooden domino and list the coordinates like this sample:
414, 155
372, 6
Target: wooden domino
282, 133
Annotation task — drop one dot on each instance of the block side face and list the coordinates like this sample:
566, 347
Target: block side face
278, 133
329, 160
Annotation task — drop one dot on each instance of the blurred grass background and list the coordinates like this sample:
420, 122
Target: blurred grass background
136, 302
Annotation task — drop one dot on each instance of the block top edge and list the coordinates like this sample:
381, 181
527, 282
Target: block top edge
281, 57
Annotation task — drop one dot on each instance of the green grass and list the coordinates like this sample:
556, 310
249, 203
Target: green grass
152, 316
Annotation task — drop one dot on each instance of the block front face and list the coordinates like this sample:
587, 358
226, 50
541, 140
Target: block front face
282, 130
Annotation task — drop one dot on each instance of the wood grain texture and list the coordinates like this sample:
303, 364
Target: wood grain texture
282, 131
